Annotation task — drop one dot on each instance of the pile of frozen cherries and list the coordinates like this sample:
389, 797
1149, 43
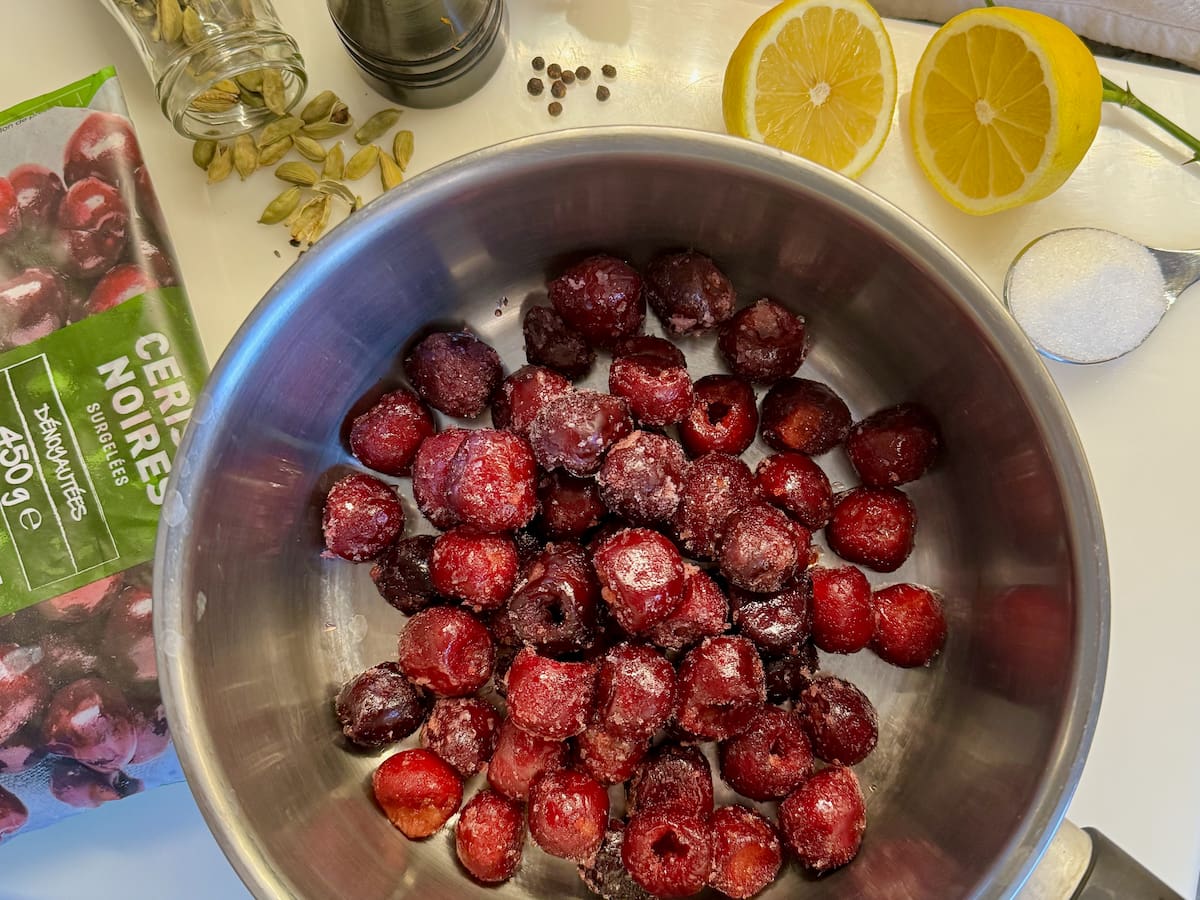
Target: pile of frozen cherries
631, 589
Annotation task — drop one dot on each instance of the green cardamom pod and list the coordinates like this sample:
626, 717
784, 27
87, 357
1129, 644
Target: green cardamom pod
228, 85
362, 162
297, 173
389, 173
221, 165
324, 129
318, 107
252, 80
308, 148
340, 114
310, 221
402, 149
203, 153
334, 189
376, 126
214, 101
273, 93
170, 20
273, 153
280, 128
335, 163
245, 155
251, 99
193, 28
281, 207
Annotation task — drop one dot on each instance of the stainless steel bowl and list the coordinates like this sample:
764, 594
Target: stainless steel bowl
977, 755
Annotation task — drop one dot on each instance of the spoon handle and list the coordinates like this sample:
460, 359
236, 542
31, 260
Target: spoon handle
1180, 268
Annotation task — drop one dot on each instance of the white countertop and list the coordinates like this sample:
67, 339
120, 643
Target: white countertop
1136, 416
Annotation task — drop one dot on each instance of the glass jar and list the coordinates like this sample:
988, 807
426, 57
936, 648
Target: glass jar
209, 60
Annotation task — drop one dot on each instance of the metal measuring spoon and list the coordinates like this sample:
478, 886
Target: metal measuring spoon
1088, 295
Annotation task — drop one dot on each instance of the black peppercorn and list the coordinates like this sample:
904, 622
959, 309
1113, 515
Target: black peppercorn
583, 73
554, 70
535, 86
568, 77
602, 93
555, 108
538, 64
609, 70
558, 89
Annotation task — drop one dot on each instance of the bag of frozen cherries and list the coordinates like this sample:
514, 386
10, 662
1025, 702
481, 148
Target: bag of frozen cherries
99, 365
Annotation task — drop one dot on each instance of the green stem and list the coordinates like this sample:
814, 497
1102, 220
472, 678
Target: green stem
1123, 96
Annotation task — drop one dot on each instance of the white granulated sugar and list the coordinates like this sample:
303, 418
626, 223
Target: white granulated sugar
1087, 295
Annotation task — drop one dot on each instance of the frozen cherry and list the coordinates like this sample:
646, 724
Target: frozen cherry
777, 622
153, 731
447, 650
723, 417
431, 476
606, 875
746, 852
386, 437
606, 757
489, 836
522, 394
719, 688
787, 676
570, 507
401, 574
463, 732
667, 852
716, 486
379, 707
839, 719
688, 293
770, 759
642, 476
601, 298
492, 479
418, 791
362, 516
478, 569
38, 193
635, 691
83, 603
703, 612
93, 225
76, 785
550, 342
520, 757
32, 305
65, 658
454, 372
128, 642
24, 690
549, 697
758, 550
555, 608
103, 146
22, 751
873, 527
910, 627
805, 416
673, 777
119, 284
842, 620
574, 431
90, 722
568, 814
659, 390
641, 577
894, 445
823, 820
764, 342
796, 484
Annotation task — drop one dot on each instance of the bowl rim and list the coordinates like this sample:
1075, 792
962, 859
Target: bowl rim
1031, 837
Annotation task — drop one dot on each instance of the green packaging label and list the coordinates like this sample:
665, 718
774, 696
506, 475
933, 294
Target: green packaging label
90, 418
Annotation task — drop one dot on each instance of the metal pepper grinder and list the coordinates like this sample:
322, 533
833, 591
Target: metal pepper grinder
423, 53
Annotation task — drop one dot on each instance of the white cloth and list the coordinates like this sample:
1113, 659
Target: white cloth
1166, 28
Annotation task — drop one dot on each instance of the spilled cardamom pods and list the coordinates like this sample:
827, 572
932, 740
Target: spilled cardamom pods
273, 93
310, 221
203, 153
245, 155
278, 129
281, 207
334, 189
362, 162
193, 28
325, 128
297, 173
376, 126
402, 149
214, 101
252, 80
308, 148
389, 173
221, 165
335, 163
170, 20
273, 153
319, 107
